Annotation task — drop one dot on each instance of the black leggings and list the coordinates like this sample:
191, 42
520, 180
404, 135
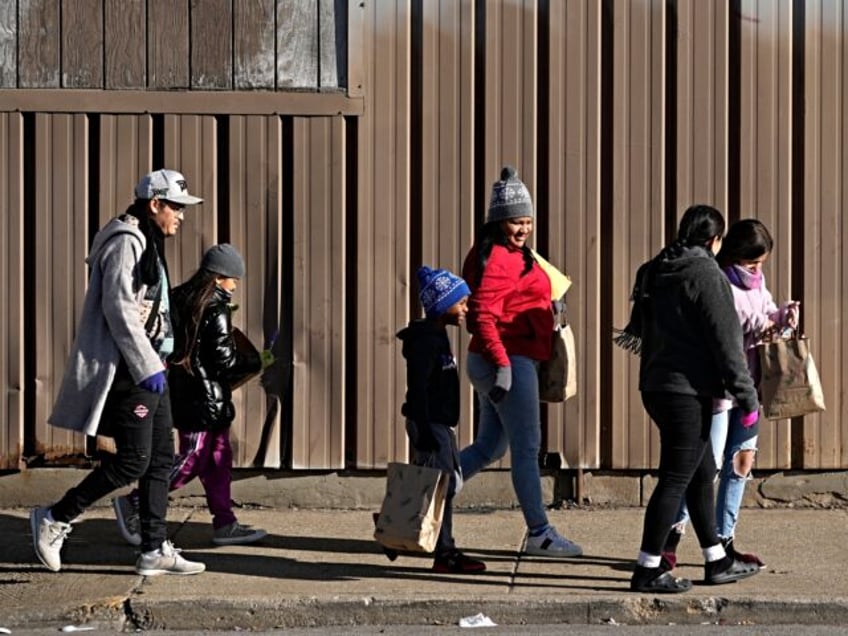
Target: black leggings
687, 467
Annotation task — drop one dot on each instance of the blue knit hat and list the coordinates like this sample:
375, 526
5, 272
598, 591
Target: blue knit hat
440, 290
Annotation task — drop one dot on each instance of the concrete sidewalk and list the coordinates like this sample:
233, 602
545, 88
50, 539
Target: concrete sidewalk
323, 568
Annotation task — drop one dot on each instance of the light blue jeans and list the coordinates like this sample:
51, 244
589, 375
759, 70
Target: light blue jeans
728, 437
514, 422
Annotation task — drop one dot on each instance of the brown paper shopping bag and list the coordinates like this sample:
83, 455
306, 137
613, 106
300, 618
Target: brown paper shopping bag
558, 375
411, 516
790, 384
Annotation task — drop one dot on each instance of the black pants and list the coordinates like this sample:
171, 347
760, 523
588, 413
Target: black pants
140, 422
436, 447
687, 468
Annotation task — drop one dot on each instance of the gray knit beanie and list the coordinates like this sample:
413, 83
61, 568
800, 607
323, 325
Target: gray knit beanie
510, 198
223, 259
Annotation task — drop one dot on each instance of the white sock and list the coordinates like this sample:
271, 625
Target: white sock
714, 553
648, 560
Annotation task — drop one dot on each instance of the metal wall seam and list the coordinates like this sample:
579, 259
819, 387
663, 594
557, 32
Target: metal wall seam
383, 241
638, 172
126, 153
12, 373
319, 293
574, 221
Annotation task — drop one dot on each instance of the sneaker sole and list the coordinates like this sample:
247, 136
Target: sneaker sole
145, 572
33, 524
130, 538
240, 540
541, 552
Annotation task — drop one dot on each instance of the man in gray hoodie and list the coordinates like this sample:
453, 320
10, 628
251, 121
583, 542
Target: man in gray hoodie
114, 380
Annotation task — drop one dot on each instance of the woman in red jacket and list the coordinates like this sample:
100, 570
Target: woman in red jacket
510, 320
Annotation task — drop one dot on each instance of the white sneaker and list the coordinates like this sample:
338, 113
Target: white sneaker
236, 534
166, 560
552, 544
48, 537
126, 515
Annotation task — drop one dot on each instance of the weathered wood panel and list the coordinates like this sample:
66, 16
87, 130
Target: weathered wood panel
254, 43
60, 214
255, 229
13, 331
383, 225
82, 43
318, 440
168, 44
124, 52
211, 44
298, 44
638, 103
8, 43
573, 132
39, 43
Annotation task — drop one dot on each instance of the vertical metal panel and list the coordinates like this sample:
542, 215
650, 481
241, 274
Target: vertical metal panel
383, 217
297, 44
357, 15
12, 378
255, 224
191, 148
82, 43
574, 220
125, 155
8, 44
825, 199
765, 162
211, 44
701, 106
447, 169
638, 203
60, 214
319, 293
511, 37
168, 44
124, 45
254, 44
38, 43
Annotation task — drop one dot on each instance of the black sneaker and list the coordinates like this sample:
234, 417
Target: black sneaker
455, 562
657, 581
728, 570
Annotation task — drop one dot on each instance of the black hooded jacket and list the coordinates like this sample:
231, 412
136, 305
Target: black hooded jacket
432, 380
691, 336
203, 400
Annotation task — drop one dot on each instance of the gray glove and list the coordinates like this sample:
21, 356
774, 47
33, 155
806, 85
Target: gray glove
503, 383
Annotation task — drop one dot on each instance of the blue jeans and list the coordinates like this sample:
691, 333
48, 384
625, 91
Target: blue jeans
728, 437
513, 422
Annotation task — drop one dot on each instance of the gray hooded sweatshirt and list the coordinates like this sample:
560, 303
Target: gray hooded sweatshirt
111, 327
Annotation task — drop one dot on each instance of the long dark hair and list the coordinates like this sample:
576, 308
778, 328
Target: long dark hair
699, 224
155, 242
194, 295
492, 234
746, 240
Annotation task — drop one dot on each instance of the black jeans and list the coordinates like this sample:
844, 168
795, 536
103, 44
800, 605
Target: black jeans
436, 447
140, 422
687, 468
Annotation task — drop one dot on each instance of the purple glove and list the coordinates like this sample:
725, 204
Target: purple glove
155, 383
750, 419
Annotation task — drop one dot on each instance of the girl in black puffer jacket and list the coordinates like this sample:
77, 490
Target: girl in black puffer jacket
205, 365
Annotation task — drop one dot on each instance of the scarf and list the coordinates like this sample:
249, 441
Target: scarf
744, 278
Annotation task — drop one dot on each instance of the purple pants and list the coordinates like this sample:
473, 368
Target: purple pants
209, 456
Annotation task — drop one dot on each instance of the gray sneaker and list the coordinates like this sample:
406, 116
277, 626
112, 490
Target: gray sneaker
48, 537
552, 544
166, 560
128, 522
237, 534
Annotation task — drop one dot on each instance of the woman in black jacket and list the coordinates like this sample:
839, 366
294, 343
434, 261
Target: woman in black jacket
205, 364
685, 328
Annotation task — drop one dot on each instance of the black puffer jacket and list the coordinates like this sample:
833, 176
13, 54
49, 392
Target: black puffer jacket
202, 400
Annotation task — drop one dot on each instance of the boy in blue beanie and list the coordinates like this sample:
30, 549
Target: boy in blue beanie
432, 397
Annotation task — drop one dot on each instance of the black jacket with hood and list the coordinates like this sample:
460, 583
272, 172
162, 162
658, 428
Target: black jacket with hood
432, 380
202, 399
691, 336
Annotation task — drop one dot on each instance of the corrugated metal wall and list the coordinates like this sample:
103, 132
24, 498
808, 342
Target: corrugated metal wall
618, 114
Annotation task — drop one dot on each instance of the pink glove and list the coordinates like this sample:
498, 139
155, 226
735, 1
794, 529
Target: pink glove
750, 419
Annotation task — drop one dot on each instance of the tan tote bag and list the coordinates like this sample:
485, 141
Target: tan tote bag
411, 516
790, 384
